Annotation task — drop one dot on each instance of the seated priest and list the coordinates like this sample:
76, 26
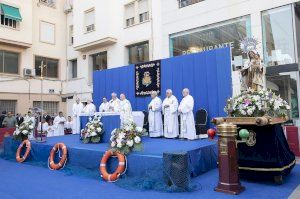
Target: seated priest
154, 116
125, 110
169, 107
187, 122
90, 108
59, 125
104, 106
114, 103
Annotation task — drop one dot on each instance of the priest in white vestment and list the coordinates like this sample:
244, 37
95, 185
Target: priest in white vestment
125, 110
187, 122
27, 118
104, 106
90, 108
77, 110
114, 103
59, 125
43, 127
170, 106
154, 117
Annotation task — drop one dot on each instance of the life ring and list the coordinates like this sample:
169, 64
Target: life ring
18, 153
63, 159
119, 171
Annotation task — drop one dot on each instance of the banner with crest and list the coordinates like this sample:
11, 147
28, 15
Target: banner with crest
147, 78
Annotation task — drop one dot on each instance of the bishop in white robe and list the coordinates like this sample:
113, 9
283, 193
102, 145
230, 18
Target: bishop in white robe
59, 125
77, 110
89, 109
104, 106
154, 117
187, 122
125, 110
114, 103
170, 106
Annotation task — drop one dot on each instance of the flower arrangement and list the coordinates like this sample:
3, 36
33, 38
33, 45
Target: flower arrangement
93, 131
252, 103
24, 130
127, 138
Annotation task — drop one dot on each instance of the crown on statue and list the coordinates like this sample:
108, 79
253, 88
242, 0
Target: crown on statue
248, 44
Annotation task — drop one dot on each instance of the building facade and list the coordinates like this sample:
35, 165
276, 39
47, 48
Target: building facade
100, 34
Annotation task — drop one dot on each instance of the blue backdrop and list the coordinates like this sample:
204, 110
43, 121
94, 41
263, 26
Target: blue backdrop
206, 74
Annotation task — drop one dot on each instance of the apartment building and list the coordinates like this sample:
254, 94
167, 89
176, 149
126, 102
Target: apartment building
32, 33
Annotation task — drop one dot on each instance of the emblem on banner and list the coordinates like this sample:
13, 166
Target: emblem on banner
146, 79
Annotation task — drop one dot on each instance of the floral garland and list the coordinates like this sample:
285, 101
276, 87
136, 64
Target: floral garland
24, 130
252, 103
93, 130
127, 138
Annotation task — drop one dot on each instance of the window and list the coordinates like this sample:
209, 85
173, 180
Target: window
71, 37
50, 69
50, 107
47, 32
278, 36
184, 3
73, 69
50, 3
8, 105
138, 53
220, 35
99, 61
9, 62
89, 20
130, 14
143, 10
9, 16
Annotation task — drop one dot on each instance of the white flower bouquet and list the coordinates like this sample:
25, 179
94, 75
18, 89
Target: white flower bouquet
252, 103
127, 138
23, 131
93, 130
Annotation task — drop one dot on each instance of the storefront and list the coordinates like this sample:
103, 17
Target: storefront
220, 35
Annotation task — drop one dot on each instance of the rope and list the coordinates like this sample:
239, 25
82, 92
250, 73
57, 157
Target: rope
59, 155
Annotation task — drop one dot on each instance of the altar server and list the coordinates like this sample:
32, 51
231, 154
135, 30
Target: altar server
154, 117
187, 121
90, 108
114, 103
170, 106
125, 110
77, 110
58, 124
104, 107
43, 126
69, 125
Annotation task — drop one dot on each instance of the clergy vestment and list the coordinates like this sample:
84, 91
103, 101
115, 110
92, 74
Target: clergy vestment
114, 105
104, 107
89, 109
170, 106
43, 128
59, 127
77, 110
32, 119
154, 117
187, 122
125, 112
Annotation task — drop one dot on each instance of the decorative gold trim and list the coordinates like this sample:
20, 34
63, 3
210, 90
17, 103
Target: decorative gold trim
269, 169
260, 121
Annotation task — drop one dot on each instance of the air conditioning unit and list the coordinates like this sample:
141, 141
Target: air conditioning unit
67, 8
29, 72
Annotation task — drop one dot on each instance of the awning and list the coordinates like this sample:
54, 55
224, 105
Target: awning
10, 12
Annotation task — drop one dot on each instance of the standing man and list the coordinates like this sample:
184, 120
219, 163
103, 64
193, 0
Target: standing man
2, 118
104, 107
170, 106
9, 121
125, 110
77, 110
19, 119
114, 103
187, 121
59, 124
90, 108
154, 117
30, 117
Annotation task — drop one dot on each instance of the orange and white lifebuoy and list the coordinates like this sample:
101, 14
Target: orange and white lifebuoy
119, 171
63, 158
18, 153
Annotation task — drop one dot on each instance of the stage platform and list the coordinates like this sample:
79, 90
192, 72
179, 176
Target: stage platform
85, 158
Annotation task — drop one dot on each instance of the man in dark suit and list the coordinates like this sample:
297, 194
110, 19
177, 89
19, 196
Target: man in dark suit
20, 119
2, 118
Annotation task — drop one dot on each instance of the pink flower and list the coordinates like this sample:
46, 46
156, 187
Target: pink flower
247, 101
